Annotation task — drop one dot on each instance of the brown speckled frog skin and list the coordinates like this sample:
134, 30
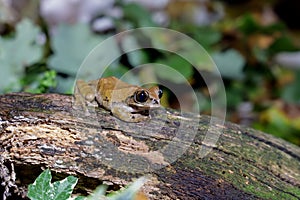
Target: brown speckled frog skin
127, 102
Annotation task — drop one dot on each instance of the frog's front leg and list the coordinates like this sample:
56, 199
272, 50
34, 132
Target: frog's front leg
84, 94
124, 114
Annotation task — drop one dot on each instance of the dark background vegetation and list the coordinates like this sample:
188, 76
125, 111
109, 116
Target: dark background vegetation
255, 45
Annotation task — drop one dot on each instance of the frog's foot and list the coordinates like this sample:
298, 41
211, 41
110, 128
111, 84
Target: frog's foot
79, 105
83, 97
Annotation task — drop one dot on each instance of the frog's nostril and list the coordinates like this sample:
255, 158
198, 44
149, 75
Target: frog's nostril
154, 101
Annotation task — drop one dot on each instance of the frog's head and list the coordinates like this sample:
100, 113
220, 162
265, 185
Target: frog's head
145, 99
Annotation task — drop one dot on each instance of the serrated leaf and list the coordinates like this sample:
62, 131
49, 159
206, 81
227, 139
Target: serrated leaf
230, 63
63, 189
27, 51
41, 187
18, 52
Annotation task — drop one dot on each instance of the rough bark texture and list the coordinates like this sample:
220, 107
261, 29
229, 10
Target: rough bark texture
43, 131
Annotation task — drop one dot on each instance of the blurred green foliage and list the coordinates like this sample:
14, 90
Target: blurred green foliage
230, 64
18, 50
242, 47
70, 45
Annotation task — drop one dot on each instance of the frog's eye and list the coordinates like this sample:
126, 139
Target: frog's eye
141, 96
160, 93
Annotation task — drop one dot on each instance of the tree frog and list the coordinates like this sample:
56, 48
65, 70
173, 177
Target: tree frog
127, 102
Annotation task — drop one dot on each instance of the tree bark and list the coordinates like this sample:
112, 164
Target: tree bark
175, 151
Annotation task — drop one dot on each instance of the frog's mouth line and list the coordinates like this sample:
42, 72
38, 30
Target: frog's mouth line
143, 107
142, 112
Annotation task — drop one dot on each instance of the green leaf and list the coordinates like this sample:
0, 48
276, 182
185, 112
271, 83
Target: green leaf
42, 189
71, 44
230, 63
282, 44
247, 24
138, 15
207, 36
63, 189
18, 52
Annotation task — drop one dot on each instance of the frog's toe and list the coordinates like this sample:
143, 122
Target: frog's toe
89, 97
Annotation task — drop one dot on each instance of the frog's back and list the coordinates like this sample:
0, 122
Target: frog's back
111, 83
111, 90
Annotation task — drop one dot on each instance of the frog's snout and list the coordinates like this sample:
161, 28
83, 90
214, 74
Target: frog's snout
155, 102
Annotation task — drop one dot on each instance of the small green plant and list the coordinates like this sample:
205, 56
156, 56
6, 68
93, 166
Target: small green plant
42, 82
43, 189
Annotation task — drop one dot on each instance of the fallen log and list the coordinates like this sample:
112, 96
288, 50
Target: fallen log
44, 131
